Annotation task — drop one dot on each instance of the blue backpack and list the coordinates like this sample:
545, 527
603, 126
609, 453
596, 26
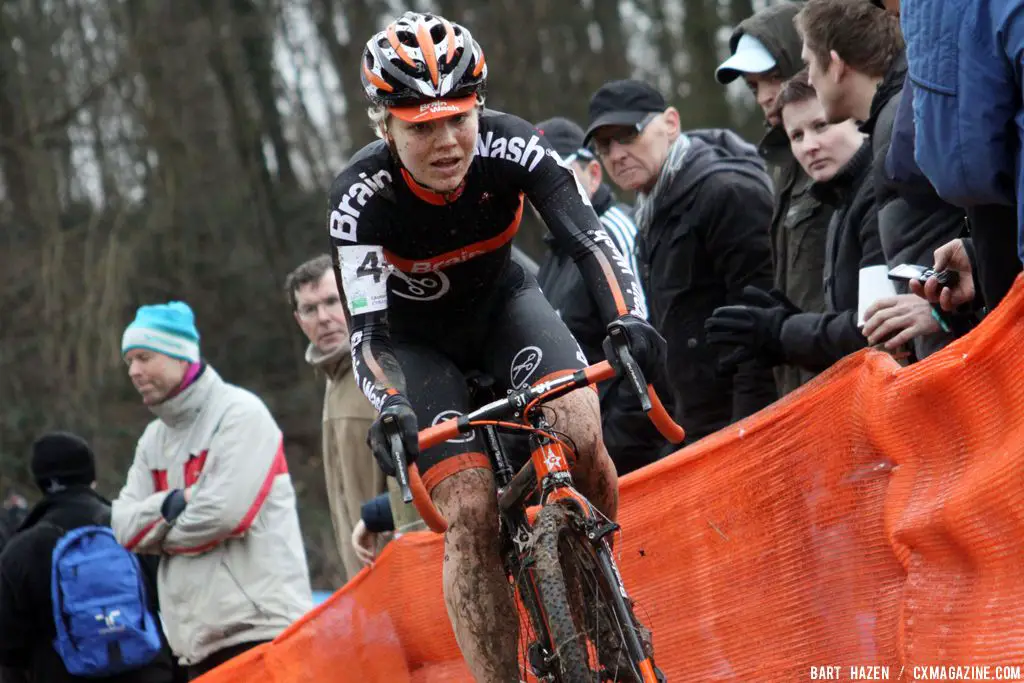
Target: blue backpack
104, 626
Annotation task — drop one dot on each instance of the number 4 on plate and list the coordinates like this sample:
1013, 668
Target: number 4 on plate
370, 267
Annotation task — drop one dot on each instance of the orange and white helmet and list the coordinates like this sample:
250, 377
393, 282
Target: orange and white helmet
421, 66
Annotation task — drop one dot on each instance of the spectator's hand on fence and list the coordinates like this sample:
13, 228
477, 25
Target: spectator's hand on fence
897, 320
950, 256
364, 542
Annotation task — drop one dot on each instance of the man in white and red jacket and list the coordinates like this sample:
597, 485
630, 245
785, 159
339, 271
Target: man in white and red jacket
209, 491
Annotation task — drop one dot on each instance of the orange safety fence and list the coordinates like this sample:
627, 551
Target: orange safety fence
873, 518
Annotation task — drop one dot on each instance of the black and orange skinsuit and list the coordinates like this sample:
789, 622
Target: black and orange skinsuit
430, 287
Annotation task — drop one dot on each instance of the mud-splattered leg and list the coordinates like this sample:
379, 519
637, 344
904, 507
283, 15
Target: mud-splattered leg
477, 594
579, 415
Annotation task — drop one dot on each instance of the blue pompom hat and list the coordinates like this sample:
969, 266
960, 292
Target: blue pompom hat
168, 328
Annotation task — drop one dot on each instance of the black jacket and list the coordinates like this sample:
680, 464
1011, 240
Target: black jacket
817, 340
631, 438
910, 231
707, 239
26, 616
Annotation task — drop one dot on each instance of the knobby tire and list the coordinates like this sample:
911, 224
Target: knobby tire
555, 530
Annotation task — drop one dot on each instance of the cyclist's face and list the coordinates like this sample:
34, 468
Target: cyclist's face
437, 153
822, 148
154, 375
321, 314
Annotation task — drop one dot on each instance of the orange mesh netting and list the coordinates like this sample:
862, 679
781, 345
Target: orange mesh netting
876, 517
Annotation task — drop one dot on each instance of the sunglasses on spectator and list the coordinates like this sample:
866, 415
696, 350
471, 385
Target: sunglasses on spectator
624, 135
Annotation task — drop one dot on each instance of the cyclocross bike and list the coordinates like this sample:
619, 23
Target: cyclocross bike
557, 553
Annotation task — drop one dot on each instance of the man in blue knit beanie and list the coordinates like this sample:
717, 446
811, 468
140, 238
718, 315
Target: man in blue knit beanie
161, 349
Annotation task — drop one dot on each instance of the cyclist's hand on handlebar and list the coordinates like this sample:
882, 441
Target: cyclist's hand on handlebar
646, 345
397, 407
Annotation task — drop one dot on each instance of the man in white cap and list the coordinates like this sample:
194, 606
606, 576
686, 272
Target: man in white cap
765, 53
209, 492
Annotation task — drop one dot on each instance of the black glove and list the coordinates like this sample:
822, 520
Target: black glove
754, 328
397, 407
647, 347
173, 505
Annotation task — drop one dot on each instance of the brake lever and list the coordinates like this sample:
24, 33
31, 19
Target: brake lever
394, 437
628, 365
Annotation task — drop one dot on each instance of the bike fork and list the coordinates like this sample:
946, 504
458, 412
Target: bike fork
624, 615
518, 568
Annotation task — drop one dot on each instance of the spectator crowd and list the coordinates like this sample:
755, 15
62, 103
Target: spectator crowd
761, 265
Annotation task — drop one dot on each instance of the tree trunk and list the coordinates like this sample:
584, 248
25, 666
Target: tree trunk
257, 45
613, 63
699, 30
12, 128
740, 10
360, 17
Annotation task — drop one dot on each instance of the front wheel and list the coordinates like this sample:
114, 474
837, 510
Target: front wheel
588, 637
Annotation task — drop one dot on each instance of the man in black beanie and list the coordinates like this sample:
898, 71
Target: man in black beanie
64, 468
62, 461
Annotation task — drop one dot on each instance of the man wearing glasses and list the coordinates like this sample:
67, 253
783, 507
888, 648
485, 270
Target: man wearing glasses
704, 211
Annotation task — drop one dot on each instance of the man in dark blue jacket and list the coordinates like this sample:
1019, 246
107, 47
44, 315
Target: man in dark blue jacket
992, 239
966, 69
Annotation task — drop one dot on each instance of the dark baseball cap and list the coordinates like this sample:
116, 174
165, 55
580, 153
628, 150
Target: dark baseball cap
566, 137
623, 103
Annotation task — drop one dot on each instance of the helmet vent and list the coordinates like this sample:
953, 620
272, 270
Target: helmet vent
407, 38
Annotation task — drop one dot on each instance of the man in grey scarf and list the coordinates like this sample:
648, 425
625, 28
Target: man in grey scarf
704, 209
